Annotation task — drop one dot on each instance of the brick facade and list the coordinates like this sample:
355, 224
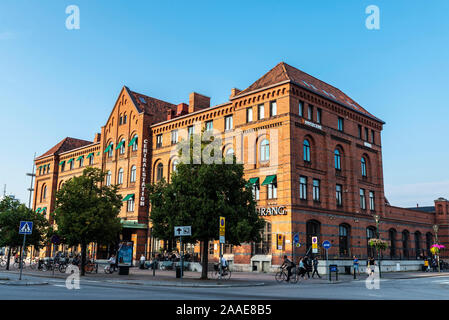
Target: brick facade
335, 122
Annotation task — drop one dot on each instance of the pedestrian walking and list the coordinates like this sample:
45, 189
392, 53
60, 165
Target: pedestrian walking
307, 266
302, 270
315, 267
355, 264
142, 262
426, 265
371, 263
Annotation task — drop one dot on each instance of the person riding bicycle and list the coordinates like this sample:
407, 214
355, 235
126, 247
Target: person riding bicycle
112, 262
224, 264
289, 265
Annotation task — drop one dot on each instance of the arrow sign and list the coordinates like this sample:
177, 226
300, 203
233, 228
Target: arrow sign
296, 238
183, 231
26, 227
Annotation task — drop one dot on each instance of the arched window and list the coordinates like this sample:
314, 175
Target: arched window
125, 117
428, 243
120, 176
44, 193
174, 165
417, 244
61, 183
159, 171
312, 230
81, 162
343, 236
370, 234
306, 150
363, 166
134, 145
264, 150
337, 158
111, 150
392, 235
108, 178
122, 146
133, 174
405, 246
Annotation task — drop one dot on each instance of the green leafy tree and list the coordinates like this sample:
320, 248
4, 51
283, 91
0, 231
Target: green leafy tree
199, 194
11, 213
87, 211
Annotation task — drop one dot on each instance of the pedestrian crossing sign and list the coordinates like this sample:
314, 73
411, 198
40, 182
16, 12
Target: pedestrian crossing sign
26, 227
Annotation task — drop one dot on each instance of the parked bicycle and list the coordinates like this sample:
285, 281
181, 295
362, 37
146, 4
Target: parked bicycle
282, 275
90, 267
109, 270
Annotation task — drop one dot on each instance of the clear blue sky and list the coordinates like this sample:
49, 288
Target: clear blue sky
56, 82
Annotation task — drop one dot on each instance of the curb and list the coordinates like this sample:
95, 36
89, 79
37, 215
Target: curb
21, 283
190, 285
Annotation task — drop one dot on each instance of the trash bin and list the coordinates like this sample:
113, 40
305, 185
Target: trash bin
347, 270
123, 271
178, 271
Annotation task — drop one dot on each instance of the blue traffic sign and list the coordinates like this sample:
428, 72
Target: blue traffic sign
326, 244
26, 227
296, 238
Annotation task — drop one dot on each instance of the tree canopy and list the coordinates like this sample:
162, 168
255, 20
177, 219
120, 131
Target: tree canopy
87, 211
198, 194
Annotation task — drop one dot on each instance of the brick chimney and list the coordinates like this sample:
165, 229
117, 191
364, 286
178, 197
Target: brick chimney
234, 92
97, 137
170, 114
181, 109
197, 102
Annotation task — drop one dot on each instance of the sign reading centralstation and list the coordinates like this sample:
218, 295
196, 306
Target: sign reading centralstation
271, 211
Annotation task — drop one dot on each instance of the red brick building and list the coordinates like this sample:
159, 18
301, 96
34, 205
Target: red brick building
312, 154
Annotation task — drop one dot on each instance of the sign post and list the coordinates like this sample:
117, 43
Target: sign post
26, 227
314, 244
327, 245
222, 240
180, 232
295, 244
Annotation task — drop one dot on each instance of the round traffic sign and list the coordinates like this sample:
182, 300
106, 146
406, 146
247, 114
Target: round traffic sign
326, 244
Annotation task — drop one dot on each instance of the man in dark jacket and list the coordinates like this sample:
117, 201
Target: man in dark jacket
315, 267
307, 266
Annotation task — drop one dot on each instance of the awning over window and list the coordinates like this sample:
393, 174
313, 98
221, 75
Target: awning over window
108, 148
70, 160
79, 158
90, 155
120, 144
44, 210
269, 180
38, 210
62, 162
129, 196
39, 167
132, 141
133, 224
254, 180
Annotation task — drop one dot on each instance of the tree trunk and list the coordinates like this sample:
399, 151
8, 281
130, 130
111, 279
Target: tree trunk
205, 259
83, 258
9, 258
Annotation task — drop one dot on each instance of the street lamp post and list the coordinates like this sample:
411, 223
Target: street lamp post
435, 228
377, 218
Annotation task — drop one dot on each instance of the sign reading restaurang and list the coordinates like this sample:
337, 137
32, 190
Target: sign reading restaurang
271, 211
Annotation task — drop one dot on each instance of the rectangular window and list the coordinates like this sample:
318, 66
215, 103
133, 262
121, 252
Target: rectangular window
256, 191
310, 112
249, 114
301, 109
362, 199
190, 131
260, 111
209, 125
91, 160
366, 134
303, 188
339, 195
340, 123
228, 123
316, 190
360, 131
159, 141
174, 137
318, 115
372, 136
371, 200
131, 204
272, 190
273, 108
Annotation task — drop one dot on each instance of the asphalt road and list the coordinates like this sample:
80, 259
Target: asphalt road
433, 288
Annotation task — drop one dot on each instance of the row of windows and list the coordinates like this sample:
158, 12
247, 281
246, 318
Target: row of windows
340, 121
71, 163
44, 169
121, 146
132, 176
261, 111
271, 191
